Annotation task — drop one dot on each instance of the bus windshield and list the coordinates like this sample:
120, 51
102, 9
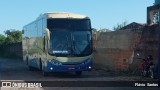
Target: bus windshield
74, 43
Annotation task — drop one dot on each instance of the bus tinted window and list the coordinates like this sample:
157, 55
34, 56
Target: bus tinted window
68, 24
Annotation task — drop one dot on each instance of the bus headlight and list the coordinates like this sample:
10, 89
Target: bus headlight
56, 62
51, 68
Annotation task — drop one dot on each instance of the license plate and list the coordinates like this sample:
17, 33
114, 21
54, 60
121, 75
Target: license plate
71, 68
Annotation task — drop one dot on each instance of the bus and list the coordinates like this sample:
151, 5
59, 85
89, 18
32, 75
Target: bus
58, 42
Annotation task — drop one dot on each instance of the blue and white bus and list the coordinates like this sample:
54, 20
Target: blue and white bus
58, 42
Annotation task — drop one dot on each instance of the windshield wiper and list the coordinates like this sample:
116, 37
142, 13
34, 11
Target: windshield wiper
75, 48
66, 44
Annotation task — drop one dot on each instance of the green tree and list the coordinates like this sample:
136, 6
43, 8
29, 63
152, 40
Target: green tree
2, 39
119, 26
2, 44
13, 36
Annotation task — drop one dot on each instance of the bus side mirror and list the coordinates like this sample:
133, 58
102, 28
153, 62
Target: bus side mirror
47, 34
22, 31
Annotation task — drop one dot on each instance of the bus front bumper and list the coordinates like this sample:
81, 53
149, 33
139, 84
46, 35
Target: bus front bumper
50, 67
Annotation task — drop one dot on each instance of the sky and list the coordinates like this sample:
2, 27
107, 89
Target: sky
14, 14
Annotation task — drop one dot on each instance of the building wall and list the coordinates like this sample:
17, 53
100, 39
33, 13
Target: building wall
124, 49
114, 50
157, 2
152, 13
14, 50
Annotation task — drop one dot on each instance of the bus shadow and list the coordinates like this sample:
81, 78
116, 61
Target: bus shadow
62, 74
67, 75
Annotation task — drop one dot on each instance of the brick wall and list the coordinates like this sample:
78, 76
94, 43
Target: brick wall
114, 49
123, 49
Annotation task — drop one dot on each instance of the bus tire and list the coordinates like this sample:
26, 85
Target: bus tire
40, 64
44, 73
30, 68
27, 60
78, 73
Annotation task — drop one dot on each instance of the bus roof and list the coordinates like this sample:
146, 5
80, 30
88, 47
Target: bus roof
64, 15
59, 15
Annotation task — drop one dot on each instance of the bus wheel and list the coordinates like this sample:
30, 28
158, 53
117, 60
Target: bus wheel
27, 60
30, 68
40, 64
79, 73
44, 73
